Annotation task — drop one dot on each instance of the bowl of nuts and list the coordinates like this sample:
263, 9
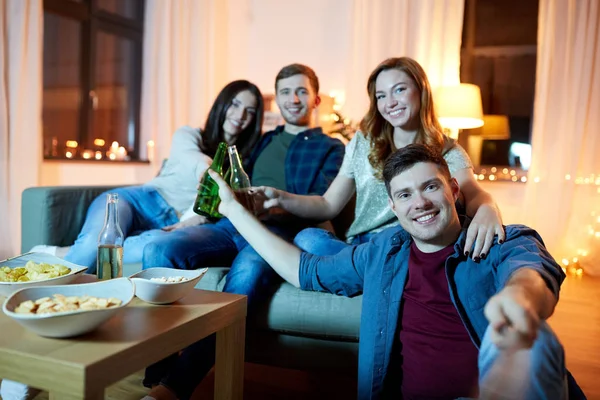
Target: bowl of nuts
165, 285
68, 310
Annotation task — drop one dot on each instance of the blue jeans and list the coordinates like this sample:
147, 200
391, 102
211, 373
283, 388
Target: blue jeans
214, 245
141, 210
324, 243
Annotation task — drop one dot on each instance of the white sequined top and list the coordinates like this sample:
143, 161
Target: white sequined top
372, 212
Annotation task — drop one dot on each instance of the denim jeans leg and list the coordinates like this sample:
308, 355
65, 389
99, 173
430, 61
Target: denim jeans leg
532, 374
252, 276
133, 248
193, 247
319, 242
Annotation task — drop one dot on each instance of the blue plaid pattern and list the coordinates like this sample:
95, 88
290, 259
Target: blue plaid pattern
311, 163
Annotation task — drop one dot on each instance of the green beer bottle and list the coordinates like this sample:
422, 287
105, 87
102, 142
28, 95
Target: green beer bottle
207, 201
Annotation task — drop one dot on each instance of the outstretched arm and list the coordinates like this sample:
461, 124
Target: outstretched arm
282, 256
320, 208
528, 281
516, 311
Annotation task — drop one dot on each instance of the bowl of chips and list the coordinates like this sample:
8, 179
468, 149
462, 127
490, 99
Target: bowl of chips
68, 310
36, 269
165, 285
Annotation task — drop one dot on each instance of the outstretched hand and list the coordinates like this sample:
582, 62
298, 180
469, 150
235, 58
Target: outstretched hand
265, 197
486, 223
513, 318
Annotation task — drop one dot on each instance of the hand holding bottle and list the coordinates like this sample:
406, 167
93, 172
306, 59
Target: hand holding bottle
226, 194
265, 198
207, 201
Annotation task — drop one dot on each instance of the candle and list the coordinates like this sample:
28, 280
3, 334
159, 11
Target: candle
150, 150
121, 153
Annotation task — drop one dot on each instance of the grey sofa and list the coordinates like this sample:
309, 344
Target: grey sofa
296, 329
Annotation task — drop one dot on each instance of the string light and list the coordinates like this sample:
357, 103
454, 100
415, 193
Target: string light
573, 266
503, 175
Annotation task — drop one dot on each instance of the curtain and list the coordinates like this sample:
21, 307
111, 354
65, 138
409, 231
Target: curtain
429, 31
563, 192
185, 65
21, 30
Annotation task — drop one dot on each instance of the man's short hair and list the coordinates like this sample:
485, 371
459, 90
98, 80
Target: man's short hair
406, 157
298, 69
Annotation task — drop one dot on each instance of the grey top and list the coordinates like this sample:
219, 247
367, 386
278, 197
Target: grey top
178, 179
269, 168
372, 213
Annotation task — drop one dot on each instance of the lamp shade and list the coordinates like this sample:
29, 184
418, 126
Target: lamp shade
495, 127
459, 106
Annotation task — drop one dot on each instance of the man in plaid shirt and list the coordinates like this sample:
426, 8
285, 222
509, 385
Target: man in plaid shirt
294, 157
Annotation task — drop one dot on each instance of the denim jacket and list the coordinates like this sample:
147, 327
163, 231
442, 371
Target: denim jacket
379, 269
311, 163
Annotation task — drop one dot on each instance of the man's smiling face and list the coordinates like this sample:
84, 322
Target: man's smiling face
296, 99
423, 200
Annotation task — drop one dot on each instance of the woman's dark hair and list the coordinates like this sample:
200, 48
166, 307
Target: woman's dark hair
213, 133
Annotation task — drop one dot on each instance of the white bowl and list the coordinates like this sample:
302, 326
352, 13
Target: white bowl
68, 324
8, 288
156, 292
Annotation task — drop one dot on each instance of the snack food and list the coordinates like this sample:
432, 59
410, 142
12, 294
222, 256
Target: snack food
32, 271
170, 279
61, 303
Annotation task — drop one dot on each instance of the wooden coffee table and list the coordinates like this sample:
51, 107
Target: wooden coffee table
140, 335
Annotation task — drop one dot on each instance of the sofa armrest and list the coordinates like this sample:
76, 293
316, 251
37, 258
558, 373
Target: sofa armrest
54, 215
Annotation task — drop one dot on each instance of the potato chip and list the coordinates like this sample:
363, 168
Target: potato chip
61, 303
32, 271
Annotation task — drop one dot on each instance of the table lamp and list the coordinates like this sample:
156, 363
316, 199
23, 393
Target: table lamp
495, 127
458, 107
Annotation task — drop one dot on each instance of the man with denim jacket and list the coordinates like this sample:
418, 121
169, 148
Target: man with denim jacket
435, 324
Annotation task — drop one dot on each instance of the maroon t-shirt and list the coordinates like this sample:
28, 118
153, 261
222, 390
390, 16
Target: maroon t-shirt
439, 360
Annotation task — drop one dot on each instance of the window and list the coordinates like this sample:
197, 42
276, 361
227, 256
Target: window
92, 79
499, 55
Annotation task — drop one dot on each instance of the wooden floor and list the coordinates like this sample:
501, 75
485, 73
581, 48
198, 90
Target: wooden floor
576, 321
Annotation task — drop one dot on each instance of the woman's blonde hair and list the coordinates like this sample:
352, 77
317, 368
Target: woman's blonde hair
381, 132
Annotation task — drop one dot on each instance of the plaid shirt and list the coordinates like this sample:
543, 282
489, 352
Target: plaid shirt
311, 163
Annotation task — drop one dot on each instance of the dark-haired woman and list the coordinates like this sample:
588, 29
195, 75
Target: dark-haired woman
165, 203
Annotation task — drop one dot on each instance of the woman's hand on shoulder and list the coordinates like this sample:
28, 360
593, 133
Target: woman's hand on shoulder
486, 223
192, 221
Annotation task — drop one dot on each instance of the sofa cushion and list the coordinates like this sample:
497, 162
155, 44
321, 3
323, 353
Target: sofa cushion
314, 314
